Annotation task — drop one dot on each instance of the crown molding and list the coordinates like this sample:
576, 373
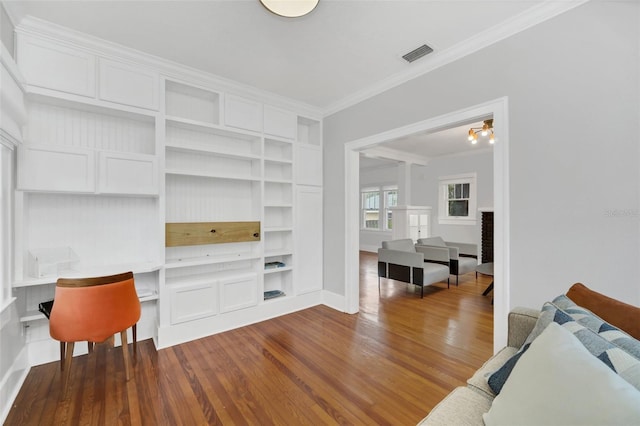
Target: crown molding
76, 39
512, 26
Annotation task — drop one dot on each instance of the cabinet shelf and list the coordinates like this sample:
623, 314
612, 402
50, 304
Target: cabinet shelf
137, 268
207, 278
278, 180
196, 125
277, 252
186, 172
277, 270
277, 160
277, 229
198, 148
278, 205
59, 99
36, 315
208, 260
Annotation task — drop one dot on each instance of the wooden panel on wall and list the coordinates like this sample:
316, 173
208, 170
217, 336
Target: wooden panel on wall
194, 233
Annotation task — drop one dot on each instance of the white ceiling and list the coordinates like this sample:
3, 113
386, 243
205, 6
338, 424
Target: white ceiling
339, 51
341, 48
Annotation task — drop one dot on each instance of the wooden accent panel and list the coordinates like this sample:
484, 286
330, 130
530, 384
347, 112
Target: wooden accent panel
195, 233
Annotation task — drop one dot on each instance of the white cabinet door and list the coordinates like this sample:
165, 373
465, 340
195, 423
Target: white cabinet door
278, 122
308, 165
193, 301
308, 236
238, 292
47, 64
64, 169
127, 173
242, 113
128, 85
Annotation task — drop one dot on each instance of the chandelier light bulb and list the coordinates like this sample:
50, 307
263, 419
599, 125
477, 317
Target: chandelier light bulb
492, 139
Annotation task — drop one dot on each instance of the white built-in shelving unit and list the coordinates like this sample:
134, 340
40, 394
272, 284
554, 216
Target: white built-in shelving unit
124, 147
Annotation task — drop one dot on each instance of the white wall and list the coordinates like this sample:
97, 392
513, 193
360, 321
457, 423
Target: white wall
573, 89
425, 191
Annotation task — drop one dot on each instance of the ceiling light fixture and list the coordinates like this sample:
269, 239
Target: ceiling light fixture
486, 129
290, 8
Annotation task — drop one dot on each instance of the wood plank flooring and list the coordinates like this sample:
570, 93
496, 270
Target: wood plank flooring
388, 365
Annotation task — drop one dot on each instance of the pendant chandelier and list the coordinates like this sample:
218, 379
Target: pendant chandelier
485, 130
290, 8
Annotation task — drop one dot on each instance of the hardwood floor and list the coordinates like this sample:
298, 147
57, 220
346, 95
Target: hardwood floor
389, 364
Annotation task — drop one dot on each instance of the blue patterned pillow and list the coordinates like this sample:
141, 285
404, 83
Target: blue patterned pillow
616, 349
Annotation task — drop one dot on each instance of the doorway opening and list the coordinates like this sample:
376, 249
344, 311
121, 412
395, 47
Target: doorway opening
498, 109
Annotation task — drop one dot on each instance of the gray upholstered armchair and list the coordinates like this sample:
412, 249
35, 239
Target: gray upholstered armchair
464, 256
401, 260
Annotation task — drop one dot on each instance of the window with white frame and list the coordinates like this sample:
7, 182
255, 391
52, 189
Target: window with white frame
457, 199
390, 200
371, 209
376, 203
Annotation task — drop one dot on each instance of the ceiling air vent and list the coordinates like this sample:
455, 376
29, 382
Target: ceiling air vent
418, 53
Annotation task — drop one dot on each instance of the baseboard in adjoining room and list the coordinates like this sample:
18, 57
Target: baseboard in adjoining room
369, 248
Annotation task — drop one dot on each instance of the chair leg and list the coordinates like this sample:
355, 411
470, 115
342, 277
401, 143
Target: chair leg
456, 281
448, 282
67, 366
421, 292
125, 353
63, 347
134, 331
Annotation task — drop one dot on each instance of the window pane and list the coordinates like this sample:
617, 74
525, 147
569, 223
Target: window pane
371, 219
391, 198
458, 191
389, 220
465, 190
371, 200
451, 190
459, 208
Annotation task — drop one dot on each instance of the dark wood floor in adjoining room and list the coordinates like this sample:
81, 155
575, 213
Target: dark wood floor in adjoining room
389, 364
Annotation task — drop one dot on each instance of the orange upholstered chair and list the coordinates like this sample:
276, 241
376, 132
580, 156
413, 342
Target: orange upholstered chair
93, 310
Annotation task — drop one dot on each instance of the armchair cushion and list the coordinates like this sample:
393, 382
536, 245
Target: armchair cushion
466, 265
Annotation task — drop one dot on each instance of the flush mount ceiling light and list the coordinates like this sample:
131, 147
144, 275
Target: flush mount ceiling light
485, 130
290, 8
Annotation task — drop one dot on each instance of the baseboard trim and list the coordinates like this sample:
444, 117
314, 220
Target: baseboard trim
369, 248
334, 301
12, 383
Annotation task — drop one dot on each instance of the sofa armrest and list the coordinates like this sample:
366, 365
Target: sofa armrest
521, 322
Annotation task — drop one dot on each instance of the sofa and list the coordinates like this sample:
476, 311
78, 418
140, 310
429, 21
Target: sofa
563, 364
463, 256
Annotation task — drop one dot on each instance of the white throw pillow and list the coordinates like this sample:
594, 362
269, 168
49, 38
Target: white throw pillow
558, 382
